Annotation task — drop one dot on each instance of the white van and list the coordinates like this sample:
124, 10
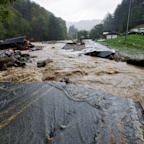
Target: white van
141, 31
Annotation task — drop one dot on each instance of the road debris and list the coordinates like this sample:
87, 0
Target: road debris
13, 58
18, 43
56, 113
63, 127
48, 139
92, 48
65, 79
35, 49
43, 63
74, 47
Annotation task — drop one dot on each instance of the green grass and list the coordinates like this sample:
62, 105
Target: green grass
134, 44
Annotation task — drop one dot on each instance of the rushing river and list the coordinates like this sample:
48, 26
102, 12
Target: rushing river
115, 78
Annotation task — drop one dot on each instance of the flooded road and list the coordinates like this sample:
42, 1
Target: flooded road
93, 46
59, 113
115, 78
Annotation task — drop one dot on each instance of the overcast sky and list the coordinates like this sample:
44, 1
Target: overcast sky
76, 10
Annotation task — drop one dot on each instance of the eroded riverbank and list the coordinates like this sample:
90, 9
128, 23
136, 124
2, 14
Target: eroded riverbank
115, 78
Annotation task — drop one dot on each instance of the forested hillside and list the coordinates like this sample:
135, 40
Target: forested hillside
118, 20
28, 18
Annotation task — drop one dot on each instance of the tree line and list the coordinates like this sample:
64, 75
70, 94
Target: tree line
28, 18
94, 33
118, 20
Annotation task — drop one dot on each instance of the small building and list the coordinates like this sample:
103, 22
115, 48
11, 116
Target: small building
111, 35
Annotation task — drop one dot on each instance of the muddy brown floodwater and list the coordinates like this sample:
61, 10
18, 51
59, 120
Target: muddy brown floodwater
115, 78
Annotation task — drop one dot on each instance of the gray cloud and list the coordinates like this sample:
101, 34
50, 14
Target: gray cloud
77, 10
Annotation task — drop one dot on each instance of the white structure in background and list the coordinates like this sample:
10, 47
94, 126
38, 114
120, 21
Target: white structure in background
111, 35
141, 31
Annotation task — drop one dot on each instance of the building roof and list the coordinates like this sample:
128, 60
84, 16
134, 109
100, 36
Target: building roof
111, 33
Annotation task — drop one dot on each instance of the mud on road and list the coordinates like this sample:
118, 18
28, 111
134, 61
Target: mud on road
115, 78
59, 113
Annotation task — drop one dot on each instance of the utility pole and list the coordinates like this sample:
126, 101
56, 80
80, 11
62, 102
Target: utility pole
128, 20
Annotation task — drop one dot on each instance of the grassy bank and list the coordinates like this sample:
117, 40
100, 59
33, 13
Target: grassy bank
139, 26
133, 46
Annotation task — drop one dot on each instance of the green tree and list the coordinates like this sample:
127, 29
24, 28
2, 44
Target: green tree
108, 22
72, 32
97, 31
2, 30
118, 22
83, 33
30, 19
53, 28
4, 11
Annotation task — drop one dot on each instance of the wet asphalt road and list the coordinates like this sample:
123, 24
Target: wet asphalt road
94, 46
30, 113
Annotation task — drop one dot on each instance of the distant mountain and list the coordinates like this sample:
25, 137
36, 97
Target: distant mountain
84, 24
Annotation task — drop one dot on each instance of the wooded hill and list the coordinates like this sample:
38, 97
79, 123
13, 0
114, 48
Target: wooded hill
118, 20
28, 18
